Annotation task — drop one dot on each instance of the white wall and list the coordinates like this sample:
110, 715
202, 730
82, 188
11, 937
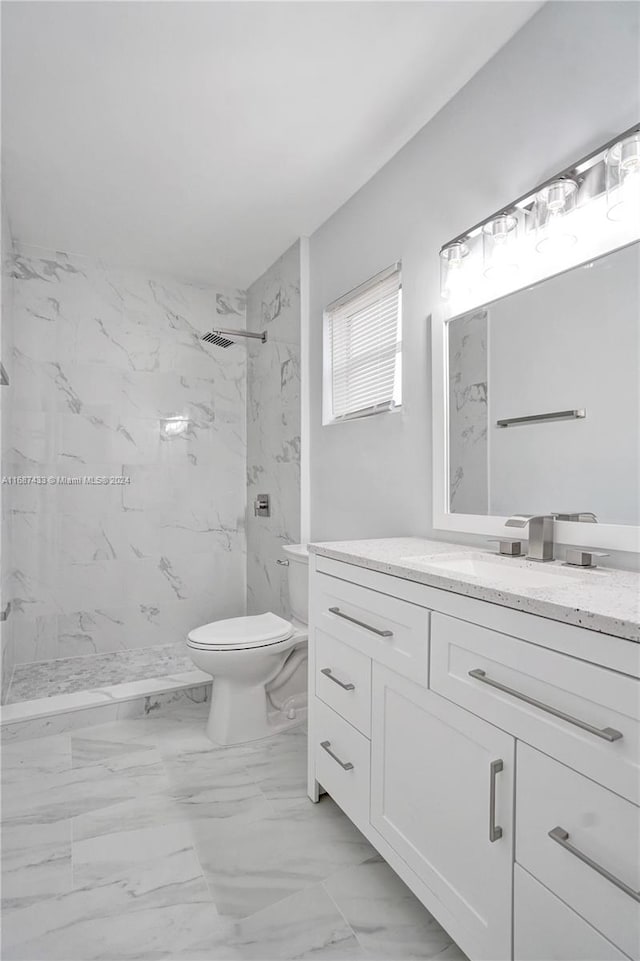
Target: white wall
565, 83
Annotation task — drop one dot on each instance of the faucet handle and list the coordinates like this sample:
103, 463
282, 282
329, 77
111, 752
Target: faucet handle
507, 546
579, 557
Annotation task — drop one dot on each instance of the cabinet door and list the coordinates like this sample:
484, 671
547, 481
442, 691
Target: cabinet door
442, 799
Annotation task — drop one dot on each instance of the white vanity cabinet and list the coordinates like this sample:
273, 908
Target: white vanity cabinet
442, 796
453, 733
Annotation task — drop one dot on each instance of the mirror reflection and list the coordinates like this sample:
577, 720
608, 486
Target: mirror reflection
544, 398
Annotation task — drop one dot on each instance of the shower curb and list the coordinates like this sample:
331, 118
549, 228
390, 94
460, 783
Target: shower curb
64, 712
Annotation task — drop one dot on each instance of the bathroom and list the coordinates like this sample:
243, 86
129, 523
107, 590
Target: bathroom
320, 554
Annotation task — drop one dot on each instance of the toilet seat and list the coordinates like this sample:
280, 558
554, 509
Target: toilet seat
241, 633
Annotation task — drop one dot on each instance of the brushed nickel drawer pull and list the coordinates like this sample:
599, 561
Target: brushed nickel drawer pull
345, 765
367, 627
495, 832
561, 837
345, 687
606, 733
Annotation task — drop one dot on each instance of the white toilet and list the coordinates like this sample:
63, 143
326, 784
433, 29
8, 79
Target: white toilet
246, 656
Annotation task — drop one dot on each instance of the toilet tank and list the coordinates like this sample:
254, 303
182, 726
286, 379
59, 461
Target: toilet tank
298, 570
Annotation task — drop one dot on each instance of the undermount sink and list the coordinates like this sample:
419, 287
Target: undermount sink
498, 570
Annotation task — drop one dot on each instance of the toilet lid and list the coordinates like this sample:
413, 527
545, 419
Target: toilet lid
239, 633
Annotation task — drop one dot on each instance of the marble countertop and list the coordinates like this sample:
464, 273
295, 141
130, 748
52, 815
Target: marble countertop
601, 599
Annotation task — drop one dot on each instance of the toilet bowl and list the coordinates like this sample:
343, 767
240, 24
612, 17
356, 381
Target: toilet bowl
246, 654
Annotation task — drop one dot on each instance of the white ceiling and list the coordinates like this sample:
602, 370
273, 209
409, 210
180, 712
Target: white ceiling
202, 138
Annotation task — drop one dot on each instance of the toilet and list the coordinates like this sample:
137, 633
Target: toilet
251, 657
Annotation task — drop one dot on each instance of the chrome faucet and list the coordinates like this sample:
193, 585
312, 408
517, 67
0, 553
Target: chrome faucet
540, 546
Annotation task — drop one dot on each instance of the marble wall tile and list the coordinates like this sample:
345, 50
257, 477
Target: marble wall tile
468, 414
273, 429
273, 301
101, 358
7, 394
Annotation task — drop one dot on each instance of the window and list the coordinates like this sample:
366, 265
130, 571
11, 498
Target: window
363, 350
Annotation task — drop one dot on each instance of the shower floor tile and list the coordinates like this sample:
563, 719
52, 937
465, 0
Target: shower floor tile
69, 675
142, 840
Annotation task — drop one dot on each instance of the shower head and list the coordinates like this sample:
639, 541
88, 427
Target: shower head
219, 338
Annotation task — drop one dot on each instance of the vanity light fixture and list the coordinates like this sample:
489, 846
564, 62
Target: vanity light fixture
553, 207
622, 163
453, 279
581, 213
499, 246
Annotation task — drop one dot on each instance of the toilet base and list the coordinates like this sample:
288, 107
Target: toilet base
240, 713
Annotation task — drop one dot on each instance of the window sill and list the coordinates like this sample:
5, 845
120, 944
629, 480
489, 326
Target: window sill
360, 415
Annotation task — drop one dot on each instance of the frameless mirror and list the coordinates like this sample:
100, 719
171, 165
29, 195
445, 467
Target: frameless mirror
544, 398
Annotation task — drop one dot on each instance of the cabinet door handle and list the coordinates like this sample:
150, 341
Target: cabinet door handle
367, 627
345, 765
495, 832
606, 733
561, 837
345, 687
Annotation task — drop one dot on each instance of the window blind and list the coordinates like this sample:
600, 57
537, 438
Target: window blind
365, 343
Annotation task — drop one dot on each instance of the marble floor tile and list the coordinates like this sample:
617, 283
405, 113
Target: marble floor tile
387, 918
85, 929
213, 786
55, 797
135, 814
184, 725
85, 751
140, 840
279, 767
256, 864
165, 852
305, 925
35, 757
67, 675
36, 862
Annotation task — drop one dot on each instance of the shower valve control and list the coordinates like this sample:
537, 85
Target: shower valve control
262, 506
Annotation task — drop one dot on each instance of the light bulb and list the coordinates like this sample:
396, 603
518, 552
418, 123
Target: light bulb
623, 180
453, 272
553, 207
499, 247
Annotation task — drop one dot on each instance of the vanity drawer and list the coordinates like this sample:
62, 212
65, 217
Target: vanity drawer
393, 632
343, 680
598, 824
597, 704
544, 927
342, 762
